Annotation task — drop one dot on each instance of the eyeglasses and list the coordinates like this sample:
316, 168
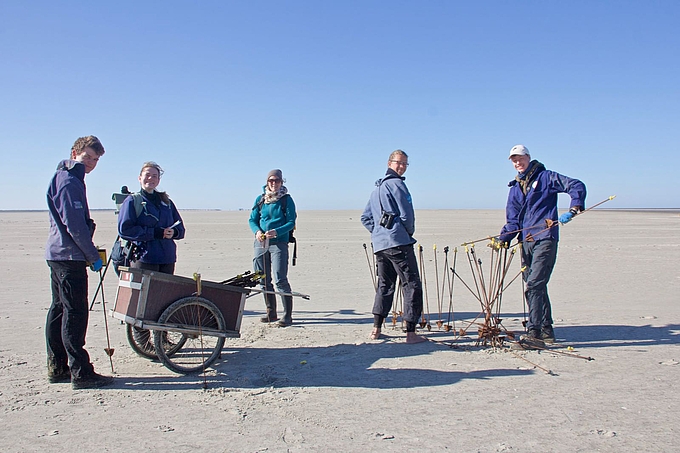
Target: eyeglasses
398, 162
273, 180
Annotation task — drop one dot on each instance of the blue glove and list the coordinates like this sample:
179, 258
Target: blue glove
97, 265
566, 217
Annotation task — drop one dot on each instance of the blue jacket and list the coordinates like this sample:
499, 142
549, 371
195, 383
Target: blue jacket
147, 230
71, 228
539, 204
265, 217
392, 193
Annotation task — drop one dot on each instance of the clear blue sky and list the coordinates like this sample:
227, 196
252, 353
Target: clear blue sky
220, 92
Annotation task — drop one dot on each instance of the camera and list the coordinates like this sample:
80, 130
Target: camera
387, 220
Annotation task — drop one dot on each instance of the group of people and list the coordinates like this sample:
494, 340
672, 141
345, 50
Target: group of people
390, 218
150, 220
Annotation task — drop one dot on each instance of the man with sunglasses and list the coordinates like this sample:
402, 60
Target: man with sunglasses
390, 218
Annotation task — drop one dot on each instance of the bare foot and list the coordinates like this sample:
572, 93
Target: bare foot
412, 338
375, 335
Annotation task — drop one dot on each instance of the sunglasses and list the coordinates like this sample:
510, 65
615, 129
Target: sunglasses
273, 180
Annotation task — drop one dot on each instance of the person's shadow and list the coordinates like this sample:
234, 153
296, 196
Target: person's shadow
598, 336
368, 365
377, 364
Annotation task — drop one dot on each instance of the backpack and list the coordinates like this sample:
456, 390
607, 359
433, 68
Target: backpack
291, 239
123, 251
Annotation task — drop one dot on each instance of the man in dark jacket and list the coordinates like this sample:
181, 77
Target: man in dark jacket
68, 252
531, 212
390, 218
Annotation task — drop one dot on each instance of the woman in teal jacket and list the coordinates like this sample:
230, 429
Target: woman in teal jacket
272, 220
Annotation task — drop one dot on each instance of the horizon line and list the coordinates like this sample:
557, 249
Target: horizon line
668, 209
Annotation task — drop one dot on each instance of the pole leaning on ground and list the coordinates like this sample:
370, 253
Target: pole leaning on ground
549, 223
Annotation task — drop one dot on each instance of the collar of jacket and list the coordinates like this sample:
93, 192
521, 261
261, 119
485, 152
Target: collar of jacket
389, 174
535, 167
74, 167
525, 179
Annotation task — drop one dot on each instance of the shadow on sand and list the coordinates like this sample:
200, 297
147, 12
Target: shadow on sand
369, 365
375, 365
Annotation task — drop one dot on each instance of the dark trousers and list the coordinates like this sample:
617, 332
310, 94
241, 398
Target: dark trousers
398, 261
67, 319
539, 257
162, 268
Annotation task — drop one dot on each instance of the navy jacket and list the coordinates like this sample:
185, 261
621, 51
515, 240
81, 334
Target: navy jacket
539, 204
147, 229
71, 228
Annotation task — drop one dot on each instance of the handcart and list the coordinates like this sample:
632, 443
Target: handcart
182, 321
189, 318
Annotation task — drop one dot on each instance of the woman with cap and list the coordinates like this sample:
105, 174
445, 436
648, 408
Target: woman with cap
272, 220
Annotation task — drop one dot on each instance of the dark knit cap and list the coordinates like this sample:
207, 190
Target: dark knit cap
275, 173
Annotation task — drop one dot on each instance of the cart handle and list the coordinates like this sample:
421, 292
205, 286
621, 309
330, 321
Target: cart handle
197, 278
292, 293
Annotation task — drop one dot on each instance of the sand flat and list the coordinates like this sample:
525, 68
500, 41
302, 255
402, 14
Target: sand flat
321, 385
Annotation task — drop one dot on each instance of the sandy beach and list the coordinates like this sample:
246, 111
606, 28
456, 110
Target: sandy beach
322, 385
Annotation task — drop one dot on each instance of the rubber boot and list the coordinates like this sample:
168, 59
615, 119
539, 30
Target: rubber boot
270, 302
287, 318
57, 372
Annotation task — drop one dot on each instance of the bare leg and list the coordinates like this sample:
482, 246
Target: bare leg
413, 338
375, 335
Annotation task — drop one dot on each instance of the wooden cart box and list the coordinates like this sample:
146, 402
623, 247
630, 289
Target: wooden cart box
143, 295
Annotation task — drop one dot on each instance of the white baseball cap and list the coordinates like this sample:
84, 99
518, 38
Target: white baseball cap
518, 150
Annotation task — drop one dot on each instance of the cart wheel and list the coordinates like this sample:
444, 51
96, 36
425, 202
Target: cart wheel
199, 350
142, 342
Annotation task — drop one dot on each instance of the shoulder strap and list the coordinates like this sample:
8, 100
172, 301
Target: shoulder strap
284, 205
137, 200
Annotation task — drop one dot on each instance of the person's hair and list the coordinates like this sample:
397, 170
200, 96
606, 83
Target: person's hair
151, 164
88, 142
397, 152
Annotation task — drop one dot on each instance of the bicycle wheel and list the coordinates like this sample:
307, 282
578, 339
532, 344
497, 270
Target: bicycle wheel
142, 342
202, 347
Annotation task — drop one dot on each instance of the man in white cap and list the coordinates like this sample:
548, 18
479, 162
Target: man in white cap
531, 213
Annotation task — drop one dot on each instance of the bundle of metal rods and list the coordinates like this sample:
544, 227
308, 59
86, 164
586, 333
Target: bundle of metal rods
488, 290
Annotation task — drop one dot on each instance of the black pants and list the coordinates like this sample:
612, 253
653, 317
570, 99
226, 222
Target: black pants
398, 261
539, 257
162, 268
67, 318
